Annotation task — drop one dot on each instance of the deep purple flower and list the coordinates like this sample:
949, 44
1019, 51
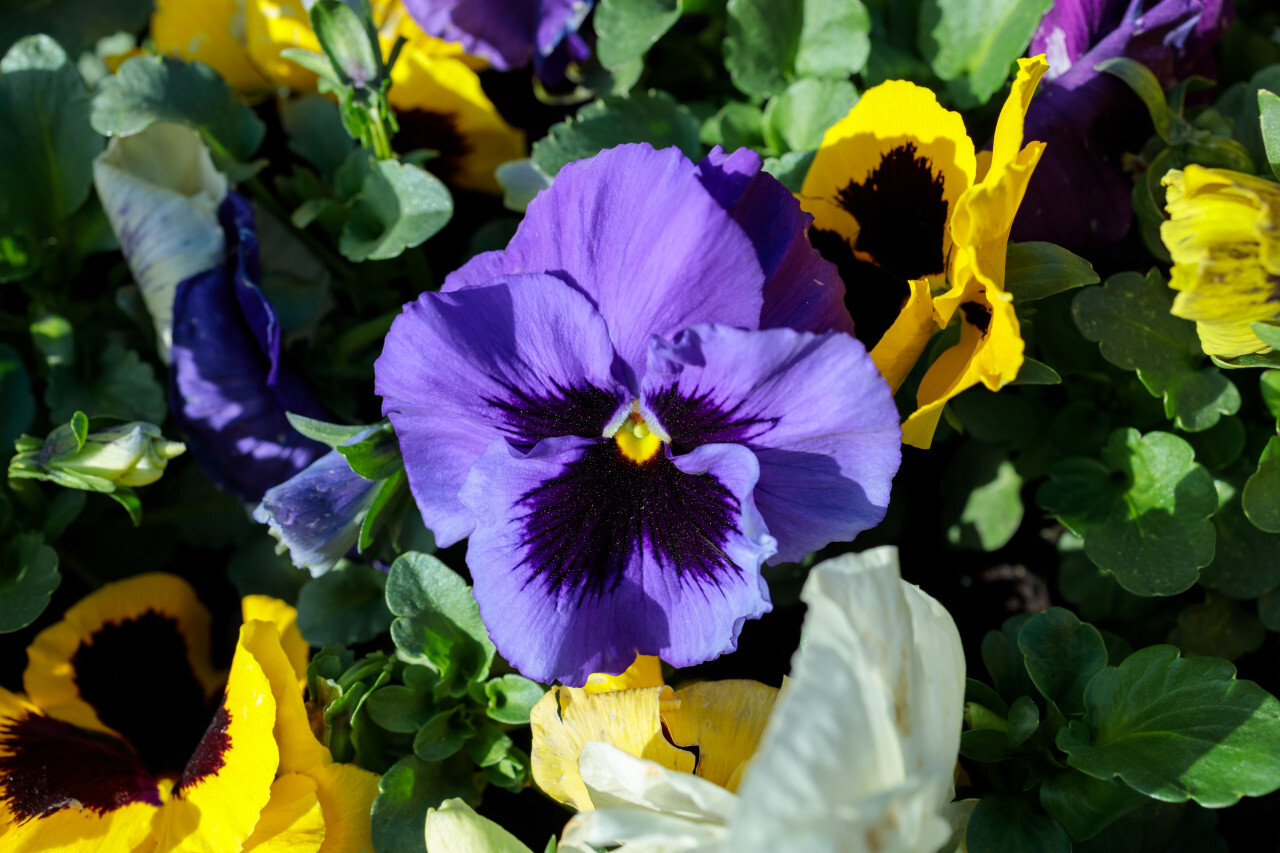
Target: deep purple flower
228, 389
1080, 196
509, 33
633, 406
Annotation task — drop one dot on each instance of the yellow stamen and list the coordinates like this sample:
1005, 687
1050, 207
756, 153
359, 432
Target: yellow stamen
636, 441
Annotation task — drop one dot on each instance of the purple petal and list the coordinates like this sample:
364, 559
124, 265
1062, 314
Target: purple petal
317, 513
1080, 195
801, 290
635, 230
524, 358
508, 33
582, 559
813, 408
229, 391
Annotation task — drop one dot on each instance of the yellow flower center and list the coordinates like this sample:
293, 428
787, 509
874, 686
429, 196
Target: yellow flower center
636, 441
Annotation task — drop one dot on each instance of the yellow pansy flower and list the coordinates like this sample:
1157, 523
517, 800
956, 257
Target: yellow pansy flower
435, 88
1223, 233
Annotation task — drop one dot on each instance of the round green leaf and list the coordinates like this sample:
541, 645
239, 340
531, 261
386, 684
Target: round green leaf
17, 406
652, 116
512, 697
1061, 654
1261, 496
344, 606
1178, 728
28, 577
398, 207
407, 790
1005, 824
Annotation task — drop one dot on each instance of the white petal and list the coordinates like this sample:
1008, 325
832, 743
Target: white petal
161, 194
861, 747
616, 778
639, 831
455, 827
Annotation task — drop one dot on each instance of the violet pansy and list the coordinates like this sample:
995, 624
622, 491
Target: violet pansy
649, 393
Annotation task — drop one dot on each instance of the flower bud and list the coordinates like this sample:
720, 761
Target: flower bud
132, 454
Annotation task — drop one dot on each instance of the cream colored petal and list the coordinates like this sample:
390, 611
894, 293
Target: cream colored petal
638, 831
568, 717
615, 778
161, 194
455, 827
863, 745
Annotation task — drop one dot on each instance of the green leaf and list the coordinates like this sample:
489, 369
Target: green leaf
1024, 719
1269, 113
1244, 559
1036, 270
124, 387
389, 503
442, 735
489, 745
790, 168
398, 207
1003, 659
1261, 496
769, 44
376, 456
653, 117
47, 149
511, 698
1220, 445
1219, 627
1267, 333
398, 708
1269, 610
17, 406
407, 790
1269, 385
345, 605
626, 29
1143, 511
1084, 805
333, 435
982, 499
349, 42
439, 622
1146, 86
1005, 824
1034, 372
737, 125
28, 577
797, 119
1129, 317
150, 89
1178, 728
1062, 654
315, 132
77, 25
973, 43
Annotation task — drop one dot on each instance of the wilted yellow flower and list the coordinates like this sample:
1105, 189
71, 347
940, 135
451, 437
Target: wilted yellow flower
1224, 236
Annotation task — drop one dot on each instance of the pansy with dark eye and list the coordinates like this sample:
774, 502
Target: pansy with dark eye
127, 739
631, 408
919, 224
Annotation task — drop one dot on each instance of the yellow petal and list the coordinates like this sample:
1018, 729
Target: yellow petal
50, 676
292, 821
346, 795
895, 116
646, 671
1224, 237
900, 347
227, 783
724, 720
211, 31
285, 618
270, 27
299, 749
568, 717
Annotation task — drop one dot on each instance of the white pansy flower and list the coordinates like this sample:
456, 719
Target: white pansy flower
858, 754
161, 193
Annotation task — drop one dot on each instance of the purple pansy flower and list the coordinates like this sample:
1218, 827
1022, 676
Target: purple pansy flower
1080, 195
645, 396
228, 389
510, 33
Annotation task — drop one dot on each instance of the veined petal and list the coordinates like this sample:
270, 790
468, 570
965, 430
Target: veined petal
615, 777
346, 796
863, 743
567, 718
212, 32
229, 390
1224, 236
298, 748
525, 358
317, 512
227, 782
292, 821
161, 195
813, 409
285, 617
583, 559
724, 720
455, 826
96, 667
801, 290
66, 788
507, 33
635, 230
